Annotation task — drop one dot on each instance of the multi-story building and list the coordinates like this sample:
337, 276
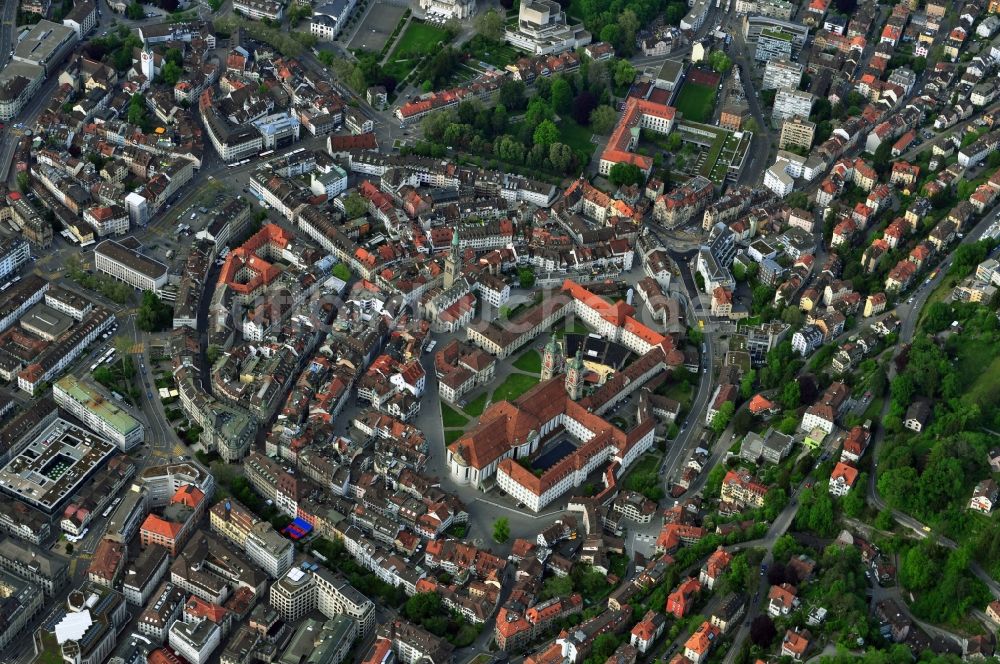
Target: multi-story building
178, 521
82, 18
781, 73
88, 632
329, 18
143, 576
301, 591
20, 297
773, 43
294, 595
270, 550
413, 644
231, 142
92, 406
14, 252
195, 641
108, 563
328, 642
447, 9
797, 132
542, 29
109, 219
789, 103
22, 601
162, 482
68, 302
163, 609
260, 9
126, 264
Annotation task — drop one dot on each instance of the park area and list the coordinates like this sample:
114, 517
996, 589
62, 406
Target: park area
417, 41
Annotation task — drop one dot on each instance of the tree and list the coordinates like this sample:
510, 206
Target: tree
583, 105
624, 73
629, 23
883, 156
742, 422
491, 25
137, 110
603, 119
937, 318
135, 12
561, 156
611, 33
23, 182
762, 631
526, 277
762, 297
721, 419
501, 530
774, 501
791, 394
916, 569
341, 271
546, 133
212, 353
720, 62
626, 174
153, 314
854, 502
123, 348
511, 95
562, 96
171, 73
422, 606
355, 206
747, 383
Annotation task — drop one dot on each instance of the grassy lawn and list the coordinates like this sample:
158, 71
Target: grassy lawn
696, 102
476, 407
498, 54
514, 386
418, 40
529, 361
452, 418
452, 435
979, 363
576, 328
680, 392
576, 136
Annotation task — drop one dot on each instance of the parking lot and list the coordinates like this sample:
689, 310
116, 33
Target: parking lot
377, 26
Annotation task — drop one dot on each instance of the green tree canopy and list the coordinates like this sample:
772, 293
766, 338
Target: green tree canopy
501, 530
626, 174
603, 119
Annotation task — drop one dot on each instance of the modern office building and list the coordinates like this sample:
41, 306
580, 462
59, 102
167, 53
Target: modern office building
55, 465
95, 408
126, 264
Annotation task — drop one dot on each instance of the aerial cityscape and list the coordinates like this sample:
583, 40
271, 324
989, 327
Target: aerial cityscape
499, 331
